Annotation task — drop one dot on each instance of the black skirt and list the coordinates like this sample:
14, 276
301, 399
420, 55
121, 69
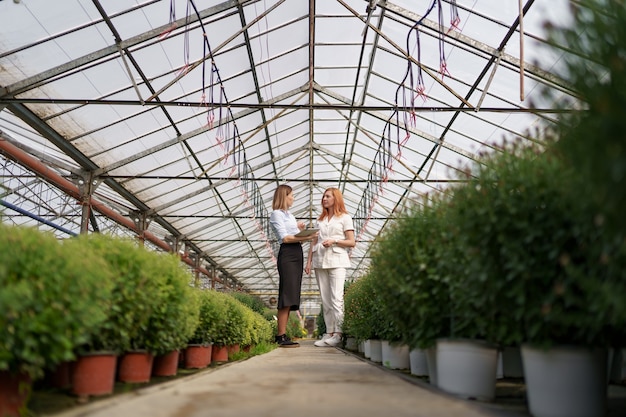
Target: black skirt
290, 263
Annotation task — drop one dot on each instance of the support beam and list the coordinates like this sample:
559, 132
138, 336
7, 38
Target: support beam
19, 156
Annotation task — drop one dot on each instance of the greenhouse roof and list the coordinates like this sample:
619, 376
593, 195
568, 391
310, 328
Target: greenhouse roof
180, 118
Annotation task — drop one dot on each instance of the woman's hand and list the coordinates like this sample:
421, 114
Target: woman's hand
328, 243
301, 225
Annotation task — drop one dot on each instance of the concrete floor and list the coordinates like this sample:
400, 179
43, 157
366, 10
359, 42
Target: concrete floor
305, 381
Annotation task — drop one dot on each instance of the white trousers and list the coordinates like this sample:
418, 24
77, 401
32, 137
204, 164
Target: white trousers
331, 282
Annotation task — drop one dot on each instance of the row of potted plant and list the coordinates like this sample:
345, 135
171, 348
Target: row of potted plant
66, 299
514, 257
531, 250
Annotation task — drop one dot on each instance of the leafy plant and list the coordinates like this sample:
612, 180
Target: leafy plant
261, 329
211, 312
409, 266
176, 314
362, 312
594, 139
251, 301
294, 327
52, 295
320, 324
232, 327
225, 321
135, 293
535, 259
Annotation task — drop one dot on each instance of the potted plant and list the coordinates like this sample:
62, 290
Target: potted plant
262, 331
52, 296
134, 298
411, 267
541, 262
229, 332
593, 141
362, 316
198, 351
175, 317
251, 301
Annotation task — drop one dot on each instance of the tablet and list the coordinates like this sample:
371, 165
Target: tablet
307, 232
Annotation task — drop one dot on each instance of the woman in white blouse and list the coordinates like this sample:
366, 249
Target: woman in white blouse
328, 255
290, 260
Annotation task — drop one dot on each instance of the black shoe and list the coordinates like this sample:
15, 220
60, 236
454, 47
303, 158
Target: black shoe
285, 342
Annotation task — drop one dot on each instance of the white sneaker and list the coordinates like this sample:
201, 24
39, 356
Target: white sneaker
334, 341
322, 341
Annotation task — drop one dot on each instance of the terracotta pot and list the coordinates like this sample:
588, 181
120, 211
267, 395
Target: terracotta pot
14, 393
220, 353
135, 367
247, 348
166, 365
60, 377
198, 356
94, 374
234, 348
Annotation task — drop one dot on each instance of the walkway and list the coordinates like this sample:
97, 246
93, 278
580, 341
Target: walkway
306, 381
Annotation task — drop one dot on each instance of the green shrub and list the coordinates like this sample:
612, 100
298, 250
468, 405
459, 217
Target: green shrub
320, 324
294, 327
363, 317
410, 265
176, 315
251, 301
135, 293
594, 140
232, 326
212, 310
52, 295
538, 266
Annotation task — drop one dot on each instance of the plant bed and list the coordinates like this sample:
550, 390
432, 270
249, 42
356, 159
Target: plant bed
47, 401
510, 393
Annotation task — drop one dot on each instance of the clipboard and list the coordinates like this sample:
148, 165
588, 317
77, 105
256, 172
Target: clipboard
307, 232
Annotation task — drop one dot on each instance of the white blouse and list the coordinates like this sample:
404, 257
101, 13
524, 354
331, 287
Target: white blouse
333, 256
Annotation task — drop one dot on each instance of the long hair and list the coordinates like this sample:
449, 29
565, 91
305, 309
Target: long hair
280, 197
339, 207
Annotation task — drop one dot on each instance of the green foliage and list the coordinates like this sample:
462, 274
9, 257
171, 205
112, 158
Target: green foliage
320, 324
176, 313
294, 327
135, 293
52, 295
410, 269
262, 331
232, 326
251, 301
363, 312
212, 310
594, 140
225, 321
534, 268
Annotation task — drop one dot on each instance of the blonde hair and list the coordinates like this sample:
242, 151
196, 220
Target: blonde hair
280, 197
339, 207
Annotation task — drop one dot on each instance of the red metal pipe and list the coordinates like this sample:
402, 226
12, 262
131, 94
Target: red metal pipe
41, 169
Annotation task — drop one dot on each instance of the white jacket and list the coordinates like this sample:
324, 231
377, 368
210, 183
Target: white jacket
333, 256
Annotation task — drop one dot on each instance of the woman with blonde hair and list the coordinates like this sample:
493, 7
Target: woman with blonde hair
290, 260
328, 255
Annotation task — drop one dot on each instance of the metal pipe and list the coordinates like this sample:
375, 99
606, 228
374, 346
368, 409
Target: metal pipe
72, 190
36, 217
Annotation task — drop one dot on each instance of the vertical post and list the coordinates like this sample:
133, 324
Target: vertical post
196, 269
521, 51
142, 221
87, 185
